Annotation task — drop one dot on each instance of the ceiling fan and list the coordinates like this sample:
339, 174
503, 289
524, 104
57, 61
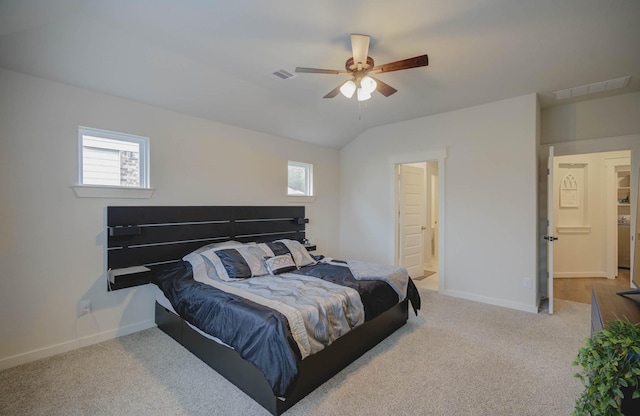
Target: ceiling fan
360, 67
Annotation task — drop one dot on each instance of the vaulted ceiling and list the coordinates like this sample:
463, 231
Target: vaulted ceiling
215, 59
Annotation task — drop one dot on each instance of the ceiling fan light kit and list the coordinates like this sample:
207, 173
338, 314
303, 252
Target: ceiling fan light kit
348, 88
368, 84
364, 88
359, 66
363, 95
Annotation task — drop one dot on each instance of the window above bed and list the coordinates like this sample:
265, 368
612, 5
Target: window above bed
300, 179
112, 164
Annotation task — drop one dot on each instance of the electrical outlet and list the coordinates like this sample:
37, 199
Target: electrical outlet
526, 282
85, 307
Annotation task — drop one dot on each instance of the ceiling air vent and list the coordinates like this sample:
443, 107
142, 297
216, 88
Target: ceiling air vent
594, 88
283, 74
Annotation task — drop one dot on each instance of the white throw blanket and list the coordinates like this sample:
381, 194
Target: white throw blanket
397, 277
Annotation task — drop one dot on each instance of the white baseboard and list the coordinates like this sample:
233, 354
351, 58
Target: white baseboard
491, 301
74, 344
575, 275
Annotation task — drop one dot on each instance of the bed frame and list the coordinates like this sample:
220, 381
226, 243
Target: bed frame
152, 236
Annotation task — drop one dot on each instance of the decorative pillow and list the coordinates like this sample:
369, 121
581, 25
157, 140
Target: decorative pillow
202, 269
278, 248
279, 264
299, 253
221, 244
239, 262
198, 265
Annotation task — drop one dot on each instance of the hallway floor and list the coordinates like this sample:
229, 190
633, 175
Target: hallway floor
579, 289
430, 282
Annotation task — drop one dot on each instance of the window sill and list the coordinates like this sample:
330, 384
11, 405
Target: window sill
300, 199
88, 191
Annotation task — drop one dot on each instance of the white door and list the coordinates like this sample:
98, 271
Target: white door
549, 237
412, 218
434, 217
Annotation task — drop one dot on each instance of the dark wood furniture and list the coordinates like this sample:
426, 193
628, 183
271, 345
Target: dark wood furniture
153, 236
606, 307
313, 371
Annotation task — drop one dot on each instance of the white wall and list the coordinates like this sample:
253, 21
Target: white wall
51, 253
594, 119
490, 210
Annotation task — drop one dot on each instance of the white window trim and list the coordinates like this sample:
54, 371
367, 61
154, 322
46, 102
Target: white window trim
308, 167
144, 157
300, 199
98, 191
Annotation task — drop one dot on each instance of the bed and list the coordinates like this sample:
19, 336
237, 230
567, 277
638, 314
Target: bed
148, 244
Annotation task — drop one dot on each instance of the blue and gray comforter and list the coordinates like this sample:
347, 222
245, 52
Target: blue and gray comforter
266, 338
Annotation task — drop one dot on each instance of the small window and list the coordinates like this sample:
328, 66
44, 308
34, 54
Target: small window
114, 159
300, 179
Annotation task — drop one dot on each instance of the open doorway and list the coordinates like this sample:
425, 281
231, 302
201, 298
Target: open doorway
418, 213
591, 220
605, 144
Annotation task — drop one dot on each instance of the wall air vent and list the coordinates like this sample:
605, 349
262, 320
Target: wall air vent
594, 88
283, 74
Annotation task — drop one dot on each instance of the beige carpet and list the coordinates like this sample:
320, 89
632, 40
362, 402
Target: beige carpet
457, 358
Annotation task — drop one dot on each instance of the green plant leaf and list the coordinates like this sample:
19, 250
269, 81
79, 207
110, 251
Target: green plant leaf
610, 361
618, 393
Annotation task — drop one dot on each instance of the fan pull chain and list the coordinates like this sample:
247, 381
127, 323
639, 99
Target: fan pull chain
360, 104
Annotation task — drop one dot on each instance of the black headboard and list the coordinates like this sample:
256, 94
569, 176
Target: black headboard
154, 235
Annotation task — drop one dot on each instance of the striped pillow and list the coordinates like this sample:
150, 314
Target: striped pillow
238, 262
279, 264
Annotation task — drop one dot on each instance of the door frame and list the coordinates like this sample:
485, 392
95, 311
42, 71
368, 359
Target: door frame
436, 155
611, 169
550, 226
600, 145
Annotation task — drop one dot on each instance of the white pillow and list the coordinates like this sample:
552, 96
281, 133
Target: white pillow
198, 265
299, 253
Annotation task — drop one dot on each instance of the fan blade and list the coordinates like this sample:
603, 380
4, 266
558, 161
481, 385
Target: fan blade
320, 71
333, 92
360, 48
422, 60
384, 88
